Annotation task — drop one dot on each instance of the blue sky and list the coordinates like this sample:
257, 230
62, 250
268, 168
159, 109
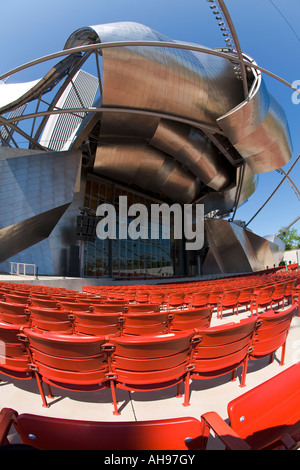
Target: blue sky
33, 29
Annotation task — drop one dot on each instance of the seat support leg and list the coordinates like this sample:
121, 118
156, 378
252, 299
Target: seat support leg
186, 401
40, 386
114, 398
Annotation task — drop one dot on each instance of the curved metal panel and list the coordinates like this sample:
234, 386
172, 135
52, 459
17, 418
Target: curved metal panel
171, 81
194, 151
192, 85
258, 129
224, 201
234, 249
148, 168
180, 82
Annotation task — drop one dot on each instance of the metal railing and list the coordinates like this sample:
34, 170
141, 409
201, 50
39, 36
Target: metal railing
22, 269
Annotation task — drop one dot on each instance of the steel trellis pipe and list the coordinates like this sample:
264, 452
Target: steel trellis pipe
95, 47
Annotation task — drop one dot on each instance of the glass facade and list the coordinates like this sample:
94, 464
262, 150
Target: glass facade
129, 258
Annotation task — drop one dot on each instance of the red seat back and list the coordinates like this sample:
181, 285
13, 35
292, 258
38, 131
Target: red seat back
246, 295
156, 297
143, 361
176, 300
17, 299
265, 295
68, 359
289, 287
14, 314
143, 308
47, 433
230, 298
76, 306
272, 332
146, 323
98, 324
215, 295
50, 319
44, 303
191, 318
199, 299
265, 413
108, 308
223, 348
14, 359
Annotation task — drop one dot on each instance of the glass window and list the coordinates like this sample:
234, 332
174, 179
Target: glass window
129, 258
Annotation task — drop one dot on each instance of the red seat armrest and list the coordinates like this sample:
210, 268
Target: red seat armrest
226, 434
7, 417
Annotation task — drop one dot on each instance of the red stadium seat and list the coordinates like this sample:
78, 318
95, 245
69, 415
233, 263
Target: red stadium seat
279, 294
157, 298
14, 359
266, 417
142, 297
272, 333
176, 300
142, 308
76, 306
51, 319
98, 324
262, 298
147, 363
228, 299
191, 318
71, 362
17, 299
290, 285
245, 297
44, 303
14, 314
46, 433
199, 299
147, 323
222, 349
214, 296
108, 308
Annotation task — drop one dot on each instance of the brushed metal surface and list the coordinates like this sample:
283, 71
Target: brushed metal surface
234, 249
258, 129
146, 167
194, 151
36, 188
191, 85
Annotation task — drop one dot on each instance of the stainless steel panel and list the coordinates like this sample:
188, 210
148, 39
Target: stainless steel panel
194, 151
36, 188
176, 82
148, 168
258, 129
224, 201
190, 85
234, 249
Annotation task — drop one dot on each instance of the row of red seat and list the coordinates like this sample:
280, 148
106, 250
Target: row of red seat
105, 319
120, 318
149, 362
252, 297
264, 418
237, 282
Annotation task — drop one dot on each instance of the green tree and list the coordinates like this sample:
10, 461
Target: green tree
291, 238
